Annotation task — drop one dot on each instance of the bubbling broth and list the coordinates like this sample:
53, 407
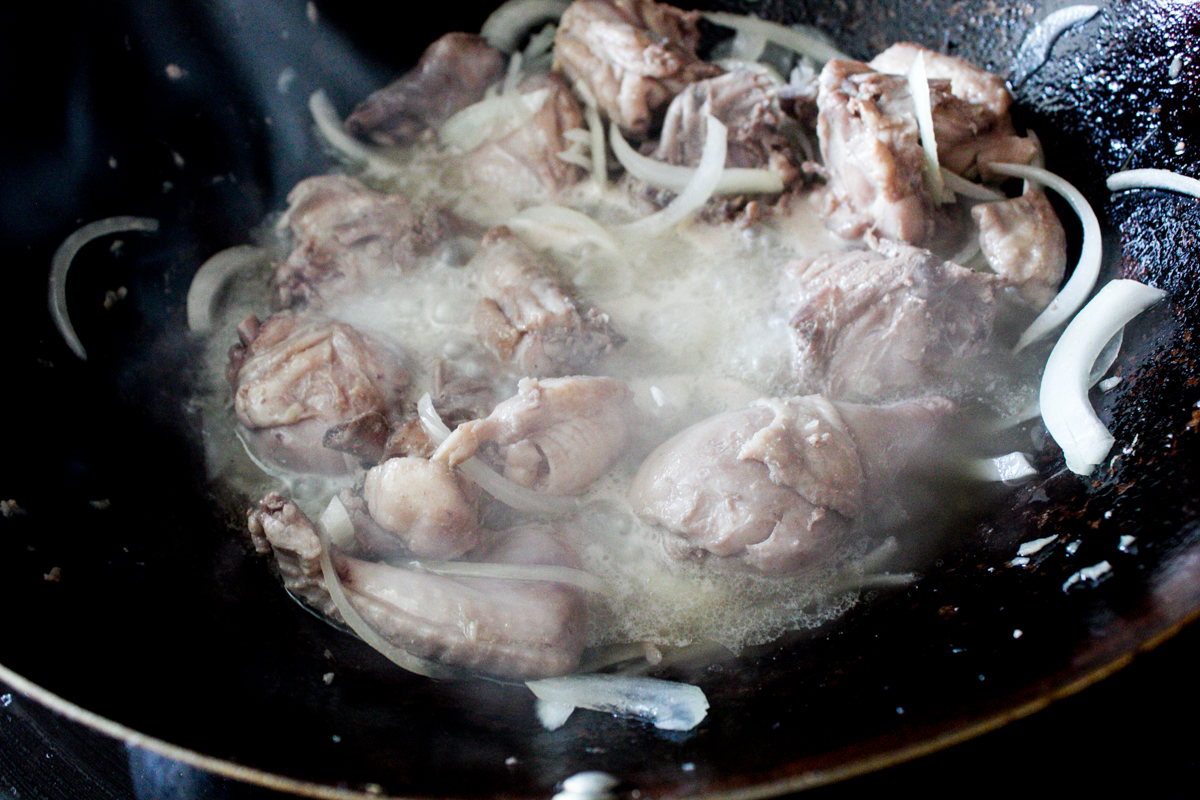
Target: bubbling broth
774, 354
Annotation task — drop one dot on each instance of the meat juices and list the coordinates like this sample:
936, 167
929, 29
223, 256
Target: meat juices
779, 485
782, 492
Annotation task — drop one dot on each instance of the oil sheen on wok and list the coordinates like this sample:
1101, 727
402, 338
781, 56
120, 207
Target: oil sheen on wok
539, 409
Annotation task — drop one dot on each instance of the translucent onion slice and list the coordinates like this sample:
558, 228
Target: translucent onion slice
212, 277
1153, 179
356, 621
1009, 468
1083, 277
550, 225
1035, 49
545, 573
735, 180
805, 41
595, 129
918, 86
490, 118
60, 265
1069, 416
667, 705
697, 191
329, 124
511, 494
969, 189
509, 23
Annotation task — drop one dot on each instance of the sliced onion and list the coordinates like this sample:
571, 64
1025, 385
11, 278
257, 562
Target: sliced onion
491, 118
1035, 49
549, 220
667, 705
60, 265
329, 124
212, 277
697, 191
599, 150
545, 573
509, 23
1153, 179
805, 41
1069, 416
918, 86
1083, 277
511, 494
357, 622
735, 180
969, 189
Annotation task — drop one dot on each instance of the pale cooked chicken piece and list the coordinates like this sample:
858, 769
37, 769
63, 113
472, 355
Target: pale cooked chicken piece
349, 238
632, 55
510, 628
884, 323
1024, 243
278, 526
296, 377
558, 435
424, 506
778, 486
526, 317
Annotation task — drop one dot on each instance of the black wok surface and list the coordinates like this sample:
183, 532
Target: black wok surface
161, 619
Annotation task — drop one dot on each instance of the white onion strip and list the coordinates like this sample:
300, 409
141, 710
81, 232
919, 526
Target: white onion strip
599, 151
1068, 414
60, 265
969, 189
505, 27
212, 277
1009, 468
697, 191
734, 180
1087, 270
544, 573
329, 124
1035, 49
1153, 179
918, 87
805, 41
667, 705
358, 624
511, 494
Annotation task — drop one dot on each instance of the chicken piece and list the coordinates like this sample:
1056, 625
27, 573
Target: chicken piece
296, 376
425, 508
632, 55
967, 81
558, 434
349, 237
779, 485
527, 319
452, 74
1024, 243
871, 147
278, 526
746, 101
884, 323
518, 629
524, 162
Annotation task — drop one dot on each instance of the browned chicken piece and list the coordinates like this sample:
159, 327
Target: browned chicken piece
452, 74
884, 323
557, 435
349, 237
872, 153
278, 526
872, 146
424, 506
524, 163
779, 485
518, 629
632, 55
1024, 243
296, 376
527, 319
746, 101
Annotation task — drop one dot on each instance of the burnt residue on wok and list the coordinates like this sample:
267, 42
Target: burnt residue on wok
105, 479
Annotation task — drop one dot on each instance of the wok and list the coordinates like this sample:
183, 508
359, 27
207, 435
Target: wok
134, 606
